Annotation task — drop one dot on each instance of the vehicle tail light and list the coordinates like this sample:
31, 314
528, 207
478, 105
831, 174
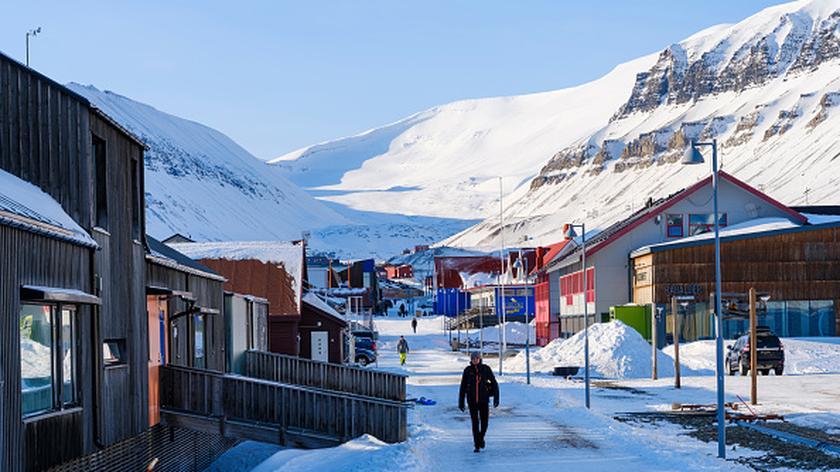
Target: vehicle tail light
373, 346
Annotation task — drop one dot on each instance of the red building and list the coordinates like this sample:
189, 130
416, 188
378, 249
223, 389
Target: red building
402, 271
448, 269
547, 329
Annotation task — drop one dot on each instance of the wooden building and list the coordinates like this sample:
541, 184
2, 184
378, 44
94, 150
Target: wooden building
93, 289
798, 266
274, 270
323, 331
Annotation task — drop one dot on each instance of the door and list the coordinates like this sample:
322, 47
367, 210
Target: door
320, 347
156, 310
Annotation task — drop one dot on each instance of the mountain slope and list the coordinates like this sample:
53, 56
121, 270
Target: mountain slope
445, 161
766, 88
201, 183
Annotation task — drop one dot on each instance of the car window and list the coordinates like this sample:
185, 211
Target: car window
768, 342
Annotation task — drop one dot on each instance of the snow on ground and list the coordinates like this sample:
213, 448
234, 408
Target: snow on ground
802, 355
616, 351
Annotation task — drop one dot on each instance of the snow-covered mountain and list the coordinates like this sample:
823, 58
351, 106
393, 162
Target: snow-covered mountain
766, 88
201, 183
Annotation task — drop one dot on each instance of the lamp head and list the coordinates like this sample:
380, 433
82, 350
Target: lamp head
692, 156
570, 232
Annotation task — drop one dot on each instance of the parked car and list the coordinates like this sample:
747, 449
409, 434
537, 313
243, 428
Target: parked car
770, 354
365, 350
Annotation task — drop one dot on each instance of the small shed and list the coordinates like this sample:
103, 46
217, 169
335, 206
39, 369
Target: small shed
323, 331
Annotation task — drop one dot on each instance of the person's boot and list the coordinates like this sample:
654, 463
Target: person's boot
476, 449
481, 446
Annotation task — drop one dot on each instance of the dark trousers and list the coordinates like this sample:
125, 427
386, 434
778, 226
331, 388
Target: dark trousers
479, 415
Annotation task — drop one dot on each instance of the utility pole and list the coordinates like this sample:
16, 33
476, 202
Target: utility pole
31, 33
654, 315
502, 337
753, 352
675, 312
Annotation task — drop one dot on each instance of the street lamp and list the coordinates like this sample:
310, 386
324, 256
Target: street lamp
693, 156
518, 265
31, 33
571, 234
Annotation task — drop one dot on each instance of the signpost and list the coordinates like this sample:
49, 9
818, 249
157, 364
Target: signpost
656, 314
676, 313
753, 353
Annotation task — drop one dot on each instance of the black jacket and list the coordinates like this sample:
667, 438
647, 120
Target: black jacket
478, 384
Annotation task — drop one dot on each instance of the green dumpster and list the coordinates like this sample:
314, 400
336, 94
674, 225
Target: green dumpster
635, 316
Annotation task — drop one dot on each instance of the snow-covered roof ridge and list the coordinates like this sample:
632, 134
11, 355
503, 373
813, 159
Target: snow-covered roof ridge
316, 301
287, 254
26, 206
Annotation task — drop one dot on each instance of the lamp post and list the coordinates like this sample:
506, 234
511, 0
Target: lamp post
571, 234
31, 33
502, 337
519, 266
693, 156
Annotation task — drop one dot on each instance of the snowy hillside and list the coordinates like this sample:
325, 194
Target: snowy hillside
201, 183
766, 88
446, 161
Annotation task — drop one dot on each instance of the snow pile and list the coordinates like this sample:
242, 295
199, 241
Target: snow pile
615, 351
514, 333
802, 355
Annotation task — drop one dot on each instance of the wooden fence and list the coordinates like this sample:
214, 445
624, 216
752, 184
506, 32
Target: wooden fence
290, 408
355, 380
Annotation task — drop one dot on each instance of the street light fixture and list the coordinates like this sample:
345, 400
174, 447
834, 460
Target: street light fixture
31, 33
523, 269
693, 156
571, 234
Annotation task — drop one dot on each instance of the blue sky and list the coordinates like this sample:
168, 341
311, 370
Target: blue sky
277, 75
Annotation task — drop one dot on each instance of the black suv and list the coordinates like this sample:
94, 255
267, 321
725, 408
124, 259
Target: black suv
770, 353
365, 350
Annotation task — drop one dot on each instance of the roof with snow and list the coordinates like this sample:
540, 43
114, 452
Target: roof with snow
315, 301
25, 206
287, 254
758, 228
167, 256
655, 207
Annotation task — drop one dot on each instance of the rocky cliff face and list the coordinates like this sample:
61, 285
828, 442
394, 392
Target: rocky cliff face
766, 89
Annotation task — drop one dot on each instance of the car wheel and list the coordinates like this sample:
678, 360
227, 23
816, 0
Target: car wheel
764, 372
362, 361
779, 370
744, 369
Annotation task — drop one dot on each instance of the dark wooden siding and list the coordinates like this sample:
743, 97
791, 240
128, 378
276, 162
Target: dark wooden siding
309, 319
209, 293
32, 259
44, 137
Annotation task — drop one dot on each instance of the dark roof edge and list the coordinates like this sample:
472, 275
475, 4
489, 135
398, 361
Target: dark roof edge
47, 233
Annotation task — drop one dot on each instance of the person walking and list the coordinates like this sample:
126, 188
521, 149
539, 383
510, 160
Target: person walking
402, 348
478, 384
414, 324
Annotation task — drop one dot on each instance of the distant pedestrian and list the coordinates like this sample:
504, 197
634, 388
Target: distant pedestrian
414, 325
402, 311
402, 348
477, 385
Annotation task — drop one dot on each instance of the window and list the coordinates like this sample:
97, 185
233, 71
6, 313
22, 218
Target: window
113, 352
48, 357
674, 225
100, 182
136, 210
703, 223
198, 339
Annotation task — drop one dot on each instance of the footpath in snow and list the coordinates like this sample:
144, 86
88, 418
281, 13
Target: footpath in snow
537, 426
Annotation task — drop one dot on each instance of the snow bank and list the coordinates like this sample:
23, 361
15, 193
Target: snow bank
615, 351
514, 333
802, 356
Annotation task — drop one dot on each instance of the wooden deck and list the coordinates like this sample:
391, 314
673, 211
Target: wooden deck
295, 370
269, 411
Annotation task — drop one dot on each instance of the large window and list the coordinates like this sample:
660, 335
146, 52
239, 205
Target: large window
674, 224
48, 358
703, 223
101, 182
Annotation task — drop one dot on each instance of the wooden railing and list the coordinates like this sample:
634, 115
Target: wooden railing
287, 407
341, 378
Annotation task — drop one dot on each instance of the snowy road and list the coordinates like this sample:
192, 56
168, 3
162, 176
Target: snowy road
536, 426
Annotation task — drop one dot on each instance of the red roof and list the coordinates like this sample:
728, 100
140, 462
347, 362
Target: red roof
619, 229
549, 253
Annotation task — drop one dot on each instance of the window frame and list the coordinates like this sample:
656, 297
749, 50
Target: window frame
669, 225
57, 311
99, 154
723, 221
